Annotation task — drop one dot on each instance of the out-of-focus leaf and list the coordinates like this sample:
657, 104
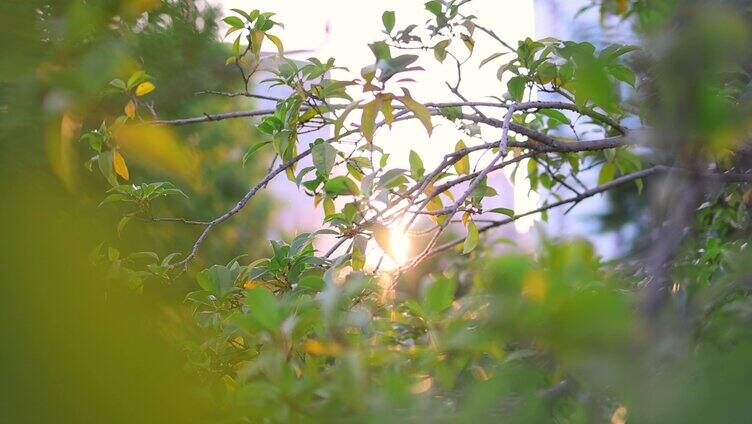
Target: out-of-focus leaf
622, 73
157, 148
439, 295
264, 308
130, 109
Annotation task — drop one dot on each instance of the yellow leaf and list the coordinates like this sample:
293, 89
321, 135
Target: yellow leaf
465, 217
462, 166
420, 111
130, 109
277, 42
118, 162
144, 88
257, 38
387, 111
368, 119
435, 205
329, 206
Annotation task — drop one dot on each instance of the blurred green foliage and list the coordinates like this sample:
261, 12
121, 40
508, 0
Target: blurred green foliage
85, 348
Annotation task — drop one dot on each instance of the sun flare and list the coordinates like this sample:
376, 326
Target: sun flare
378, 259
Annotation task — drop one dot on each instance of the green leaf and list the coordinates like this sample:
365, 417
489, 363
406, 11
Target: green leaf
504, 211
234, 21
516, 87
439, 50
264, 308
324, 156
416, 165
452, 113
340, 122
471, 241
556, 116
118, 83
245, 15
136, 78
439, 295
622, 73
388, 19
384, 160
381, 51
106, 167
546, 72
607, 173
434, 7
313, 282
252, 150
462, 166
391, 67
490, 58
219, 280
392, 178
341, 186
